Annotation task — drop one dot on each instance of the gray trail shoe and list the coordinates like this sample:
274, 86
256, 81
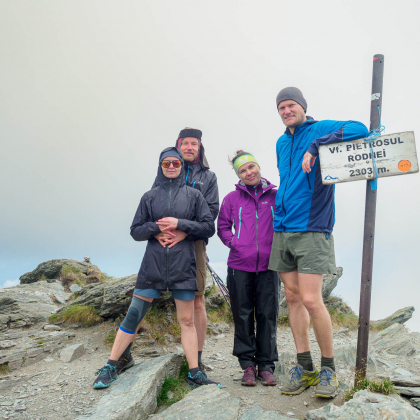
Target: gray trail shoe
300, 380
106, 376
200, 379
328, 383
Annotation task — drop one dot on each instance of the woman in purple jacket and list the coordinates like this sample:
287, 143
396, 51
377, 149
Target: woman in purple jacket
253, 288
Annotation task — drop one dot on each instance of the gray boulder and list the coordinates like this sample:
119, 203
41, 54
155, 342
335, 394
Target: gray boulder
399, 317
71, 353
408, 391
256, 412
367, 405
27, 304
415, 402
134, 395
111, 298
75, 288
406, 380
206, 402
393, 340
347, 354
51, 269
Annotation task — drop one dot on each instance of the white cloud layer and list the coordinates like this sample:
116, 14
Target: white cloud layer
10, 283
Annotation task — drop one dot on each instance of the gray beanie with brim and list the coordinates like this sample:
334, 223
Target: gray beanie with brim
293, 94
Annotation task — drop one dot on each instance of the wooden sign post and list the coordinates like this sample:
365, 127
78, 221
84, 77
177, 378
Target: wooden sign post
389, 155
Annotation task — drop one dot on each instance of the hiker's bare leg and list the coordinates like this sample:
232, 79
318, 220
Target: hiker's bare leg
123, 339
298, 315
200, 320
310, 287
185, 314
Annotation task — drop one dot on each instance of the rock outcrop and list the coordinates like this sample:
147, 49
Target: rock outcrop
134, 395
111, 298
51, 270
367, 405
399, 317
206, 402
27, 304
394, 340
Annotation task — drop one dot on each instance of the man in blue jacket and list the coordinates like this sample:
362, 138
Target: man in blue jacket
303, 245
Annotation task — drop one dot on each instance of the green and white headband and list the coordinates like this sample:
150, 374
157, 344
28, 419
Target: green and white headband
241, 160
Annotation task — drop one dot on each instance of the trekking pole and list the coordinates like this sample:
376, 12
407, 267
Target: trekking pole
220, 284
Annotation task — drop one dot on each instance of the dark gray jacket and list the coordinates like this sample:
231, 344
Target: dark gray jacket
175, 268
198, 176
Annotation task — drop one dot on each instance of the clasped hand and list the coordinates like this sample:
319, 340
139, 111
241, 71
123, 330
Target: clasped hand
169, 234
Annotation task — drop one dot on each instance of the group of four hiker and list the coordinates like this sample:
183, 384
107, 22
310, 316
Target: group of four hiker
269, 232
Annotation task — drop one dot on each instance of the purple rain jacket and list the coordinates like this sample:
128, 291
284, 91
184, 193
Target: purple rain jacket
250, 212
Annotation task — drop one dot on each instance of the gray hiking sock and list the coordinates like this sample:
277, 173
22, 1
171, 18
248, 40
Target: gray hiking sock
328, 362
305, 360
127, 350
112, 362
199, 356
194, 371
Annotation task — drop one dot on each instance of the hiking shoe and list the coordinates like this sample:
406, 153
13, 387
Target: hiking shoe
124, 363
267, 378
328, 383
249, 378
300, 380
200, 379
106, 376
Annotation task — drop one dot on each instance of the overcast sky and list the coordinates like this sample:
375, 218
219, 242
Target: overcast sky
92, 91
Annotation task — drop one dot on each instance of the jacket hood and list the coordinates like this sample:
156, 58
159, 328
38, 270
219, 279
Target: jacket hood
202, 160
309, 120
161, 179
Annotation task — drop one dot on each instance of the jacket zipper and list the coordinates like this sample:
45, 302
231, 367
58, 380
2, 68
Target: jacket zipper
307, 177
290, 170
188, 172
167, 249
272, 212
256, 232
240, 221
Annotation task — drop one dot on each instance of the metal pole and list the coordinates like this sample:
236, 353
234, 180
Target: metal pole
369, 230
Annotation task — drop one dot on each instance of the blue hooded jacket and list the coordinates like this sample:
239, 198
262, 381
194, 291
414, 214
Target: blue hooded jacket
303, 202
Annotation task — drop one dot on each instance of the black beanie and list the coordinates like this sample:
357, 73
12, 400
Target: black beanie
190, 132
291, 93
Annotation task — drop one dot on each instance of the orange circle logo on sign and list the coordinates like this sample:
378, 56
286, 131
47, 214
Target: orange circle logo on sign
404, 165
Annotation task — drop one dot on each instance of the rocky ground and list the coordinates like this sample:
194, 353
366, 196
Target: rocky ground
47, 371
56, 387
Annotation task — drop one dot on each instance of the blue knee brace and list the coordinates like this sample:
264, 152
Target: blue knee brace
135, 314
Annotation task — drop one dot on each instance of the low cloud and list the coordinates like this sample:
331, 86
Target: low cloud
10, 283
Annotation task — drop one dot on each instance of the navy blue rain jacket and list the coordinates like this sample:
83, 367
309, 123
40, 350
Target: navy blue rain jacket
174, 268
303, 202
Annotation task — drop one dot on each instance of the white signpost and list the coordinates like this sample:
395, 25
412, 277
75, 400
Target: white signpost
395, 154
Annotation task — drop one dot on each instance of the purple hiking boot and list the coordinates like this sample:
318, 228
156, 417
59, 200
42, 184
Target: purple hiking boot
266, 378
249, 378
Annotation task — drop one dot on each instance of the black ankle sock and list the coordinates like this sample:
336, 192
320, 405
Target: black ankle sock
111, 362
305, 360
127, 350
199, 356
194, 371
328, 362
